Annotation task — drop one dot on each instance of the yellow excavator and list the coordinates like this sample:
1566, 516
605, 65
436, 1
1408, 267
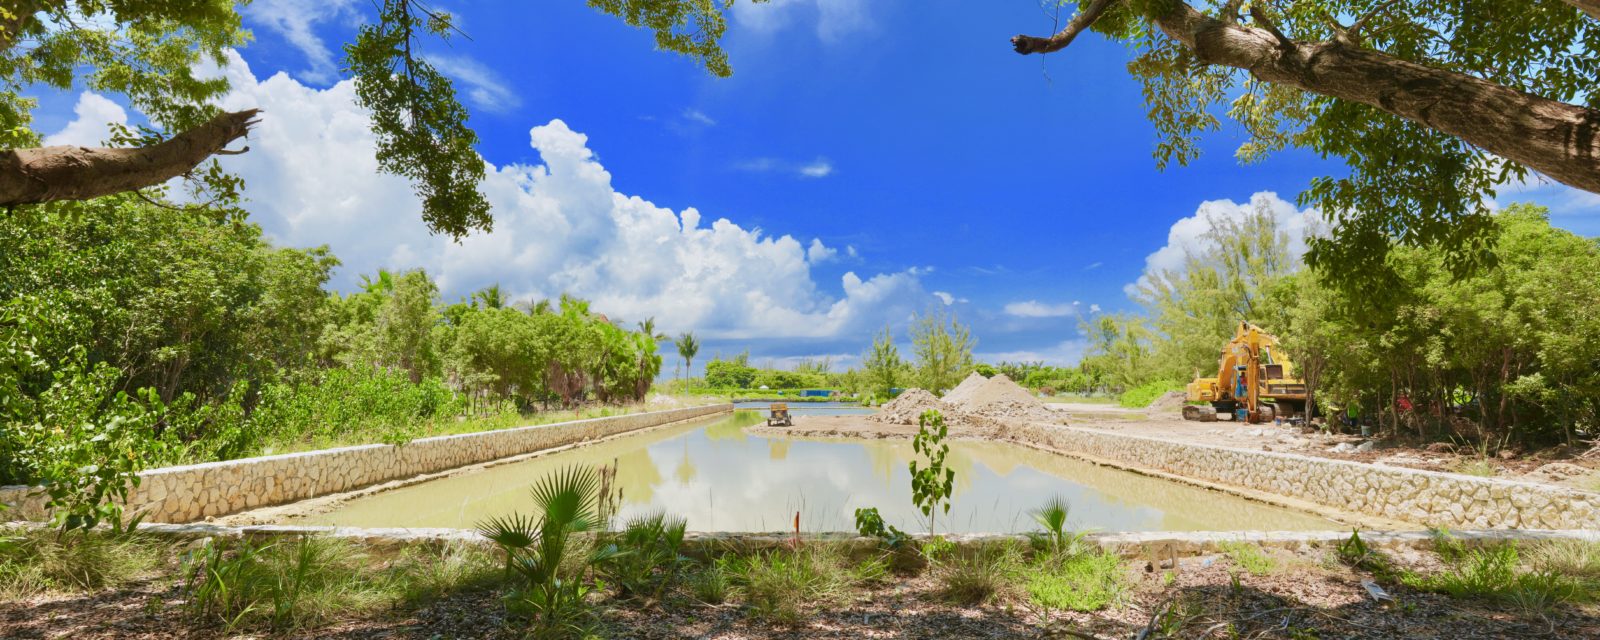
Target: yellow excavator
1254, 382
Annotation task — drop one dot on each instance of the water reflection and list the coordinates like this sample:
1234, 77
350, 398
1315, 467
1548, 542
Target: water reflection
721, 479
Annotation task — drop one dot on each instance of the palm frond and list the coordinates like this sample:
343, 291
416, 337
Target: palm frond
514, 531
568, 498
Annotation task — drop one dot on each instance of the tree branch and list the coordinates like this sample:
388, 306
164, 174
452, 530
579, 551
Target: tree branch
1591, 7
46, 174
13, 19
1560, 140
1089, 13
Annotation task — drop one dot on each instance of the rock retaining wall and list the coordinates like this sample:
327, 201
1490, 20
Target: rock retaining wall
193, 492
1426, 498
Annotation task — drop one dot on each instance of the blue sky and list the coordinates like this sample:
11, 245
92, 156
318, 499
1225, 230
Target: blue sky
914, 160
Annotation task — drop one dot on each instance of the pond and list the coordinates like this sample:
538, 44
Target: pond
722, 479
808, 408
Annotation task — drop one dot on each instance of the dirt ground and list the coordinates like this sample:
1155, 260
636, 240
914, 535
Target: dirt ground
1304, 595
1574, 469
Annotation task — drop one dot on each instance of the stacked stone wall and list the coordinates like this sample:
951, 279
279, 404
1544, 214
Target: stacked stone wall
195, 492
1426, 498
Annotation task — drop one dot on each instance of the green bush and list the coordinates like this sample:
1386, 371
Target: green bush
1141, 396
976, 574
781, 585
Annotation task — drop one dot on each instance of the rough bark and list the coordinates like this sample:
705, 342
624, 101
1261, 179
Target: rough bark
1591, 7
67, 172
1559, 140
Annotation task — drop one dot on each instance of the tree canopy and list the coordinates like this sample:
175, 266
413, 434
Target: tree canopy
148, 50
1432, 105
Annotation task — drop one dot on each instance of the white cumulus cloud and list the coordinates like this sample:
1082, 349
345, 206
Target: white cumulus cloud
295, 21
311, 179
90, 126
834, 19
1036, 309
484, 88
1187, 236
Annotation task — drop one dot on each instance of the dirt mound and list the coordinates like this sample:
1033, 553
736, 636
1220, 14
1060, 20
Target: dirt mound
999, 398
964, 391
1170, 401
909, 405
999, 389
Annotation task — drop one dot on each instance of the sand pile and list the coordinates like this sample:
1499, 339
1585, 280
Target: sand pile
1170, 401
964, 391
999, 398
909, 405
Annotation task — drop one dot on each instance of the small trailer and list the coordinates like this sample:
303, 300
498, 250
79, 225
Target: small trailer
778, 415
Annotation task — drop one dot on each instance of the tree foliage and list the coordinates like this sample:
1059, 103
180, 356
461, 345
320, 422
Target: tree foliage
942, 347
1432, 106
136, 334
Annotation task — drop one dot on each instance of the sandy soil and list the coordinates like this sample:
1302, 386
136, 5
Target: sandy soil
1305, 595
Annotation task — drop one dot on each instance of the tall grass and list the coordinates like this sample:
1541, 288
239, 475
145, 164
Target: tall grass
285, 585
781, 585
979, 573
1554, 574
39, 561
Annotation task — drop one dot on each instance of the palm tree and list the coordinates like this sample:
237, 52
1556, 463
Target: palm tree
687, 347
648, 328
491, 297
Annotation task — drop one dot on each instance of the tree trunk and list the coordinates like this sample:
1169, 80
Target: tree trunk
46, 174
1559, 140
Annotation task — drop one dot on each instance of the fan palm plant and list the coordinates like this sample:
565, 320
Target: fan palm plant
549, 595
1052, 517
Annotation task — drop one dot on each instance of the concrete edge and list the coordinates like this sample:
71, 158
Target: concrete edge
1126, 544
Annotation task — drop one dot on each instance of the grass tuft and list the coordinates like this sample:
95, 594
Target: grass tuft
1250, 557
977, 574
781, 585
34, 562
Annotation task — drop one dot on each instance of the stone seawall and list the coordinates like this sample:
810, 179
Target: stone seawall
193, 492
1428, 498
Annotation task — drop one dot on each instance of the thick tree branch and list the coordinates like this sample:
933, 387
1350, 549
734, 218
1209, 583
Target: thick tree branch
1089, 12
13, 19
1559, 140
46, 174
1591, 7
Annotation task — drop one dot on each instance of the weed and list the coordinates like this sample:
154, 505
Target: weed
1250, 557
1082, 582
779, 584
424, 575
1495, 574
1579, 559
285, 584
1480, 467
711, 584
870, 524
39, 561
976, 574
644, 560
1355, 553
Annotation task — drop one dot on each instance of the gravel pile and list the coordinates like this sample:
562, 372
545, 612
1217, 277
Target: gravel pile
999, 398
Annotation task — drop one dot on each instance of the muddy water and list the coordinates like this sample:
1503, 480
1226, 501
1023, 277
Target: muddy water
722, 479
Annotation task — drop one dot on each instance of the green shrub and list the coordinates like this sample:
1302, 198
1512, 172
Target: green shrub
1056, 538
1081, 582
1141, 396
40, 561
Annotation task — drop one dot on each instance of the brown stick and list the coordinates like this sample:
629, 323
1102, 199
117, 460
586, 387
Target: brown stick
46, 174
1088, 13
